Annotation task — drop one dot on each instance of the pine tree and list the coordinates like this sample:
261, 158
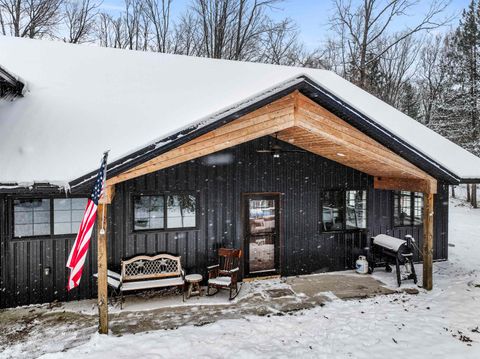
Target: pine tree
457, 114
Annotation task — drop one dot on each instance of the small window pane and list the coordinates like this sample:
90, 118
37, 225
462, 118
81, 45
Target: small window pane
79, 203
356, 210
148, 212
31, 217
417, 208
181, 211
23, 230
62, 228
332, 215
68, 214
408, 208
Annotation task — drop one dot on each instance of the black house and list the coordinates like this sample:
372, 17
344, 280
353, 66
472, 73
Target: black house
297, 167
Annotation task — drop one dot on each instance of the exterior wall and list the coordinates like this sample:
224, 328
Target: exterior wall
23, 262
219, 181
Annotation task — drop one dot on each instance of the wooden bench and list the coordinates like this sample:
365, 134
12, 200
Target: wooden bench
150, 272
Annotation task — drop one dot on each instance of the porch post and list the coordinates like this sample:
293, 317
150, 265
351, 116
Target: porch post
102, 258
102, 268
428, 241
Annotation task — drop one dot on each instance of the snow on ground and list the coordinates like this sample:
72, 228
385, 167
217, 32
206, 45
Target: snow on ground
443, 323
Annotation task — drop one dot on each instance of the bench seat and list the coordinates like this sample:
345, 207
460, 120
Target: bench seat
152, 283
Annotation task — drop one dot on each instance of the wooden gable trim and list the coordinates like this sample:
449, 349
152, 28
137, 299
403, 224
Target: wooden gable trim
300, 121
265, 121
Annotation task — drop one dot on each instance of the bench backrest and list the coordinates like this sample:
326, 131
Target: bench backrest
150, 267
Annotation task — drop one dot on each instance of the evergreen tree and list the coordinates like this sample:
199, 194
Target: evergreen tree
456, 116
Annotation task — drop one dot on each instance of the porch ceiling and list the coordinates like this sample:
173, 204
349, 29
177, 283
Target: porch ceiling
298, 120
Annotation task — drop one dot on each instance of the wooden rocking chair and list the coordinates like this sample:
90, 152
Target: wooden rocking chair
225, 274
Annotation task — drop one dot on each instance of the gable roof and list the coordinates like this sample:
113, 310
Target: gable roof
83, 100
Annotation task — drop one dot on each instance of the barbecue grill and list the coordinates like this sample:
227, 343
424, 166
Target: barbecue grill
389, 249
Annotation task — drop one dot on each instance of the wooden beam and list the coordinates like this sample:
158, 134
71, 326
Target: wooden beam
428, 240
406, 184
108, 195
102, 268
325, 125
300, 121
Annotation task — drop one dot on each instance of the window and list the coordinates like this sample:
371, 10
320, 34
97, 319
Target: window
68, 214
149, 212
181, 211
356, 209
333, 202
344, 210
407, 208
161, 212
32, 217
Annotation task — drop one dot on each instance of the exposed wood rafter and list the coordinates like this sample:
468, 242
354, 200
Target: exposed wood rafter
298, 120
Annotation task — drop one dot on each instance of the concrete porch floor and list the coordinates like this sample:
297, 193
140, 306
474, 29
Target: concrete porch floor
154, 311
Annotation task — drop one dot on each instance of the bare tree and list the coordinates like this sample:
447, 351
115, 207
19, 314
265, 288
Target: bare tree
30, 18
80, 18
363, 26
396, 69
158, 12
432, 73
232, 29
187, 40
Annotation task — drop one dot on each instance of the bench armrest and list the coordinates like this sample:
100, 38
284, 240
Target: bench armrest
213, 271
114, 275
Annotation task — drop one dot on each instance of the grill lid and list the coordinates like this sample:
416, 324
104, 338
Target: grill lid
388, 242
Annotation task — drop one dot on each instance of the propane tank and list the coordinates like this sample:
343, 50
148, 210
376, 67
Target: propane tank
361, 265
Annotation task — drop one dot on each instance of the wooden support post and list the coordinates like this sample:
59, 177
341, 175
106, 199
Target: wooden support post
102, 268
428, 241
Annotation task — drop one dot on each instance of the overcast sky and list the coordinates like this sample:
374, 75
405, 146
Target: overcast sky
311, 15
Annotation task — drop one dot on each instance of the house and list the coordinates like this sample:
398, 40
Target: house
297, 167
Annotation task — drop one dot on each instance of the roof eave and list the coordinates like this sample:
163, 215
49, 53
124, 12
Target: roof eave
312, 90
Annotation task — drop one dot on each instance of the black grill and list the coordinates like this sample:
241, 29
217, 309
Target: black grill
389, 250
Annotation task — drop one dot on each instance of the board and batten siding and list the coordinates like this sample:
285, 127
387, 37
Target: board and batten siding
218, 180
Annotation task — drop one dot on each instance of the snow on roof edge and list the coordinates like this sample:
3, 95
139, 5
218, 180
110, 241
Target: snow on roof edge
198, 124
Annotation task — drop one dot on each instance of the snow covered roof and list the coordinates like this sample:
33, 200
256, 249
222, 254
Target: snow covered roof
82, 100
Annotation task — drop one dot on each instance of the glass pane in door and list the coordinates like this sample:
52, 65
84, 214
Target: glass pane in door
262, 235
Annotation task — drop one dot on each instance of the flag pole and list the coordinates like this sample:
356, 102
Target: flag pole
102, 257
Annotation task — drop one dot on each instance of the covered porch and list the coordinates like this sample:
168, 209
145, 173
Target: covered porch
298, 121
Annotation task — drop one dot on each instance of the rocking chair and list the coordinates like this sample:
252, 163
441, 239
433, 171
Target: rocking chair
224, 275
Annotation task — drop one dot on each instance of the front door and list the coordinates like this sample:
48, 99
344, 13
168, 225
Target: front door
261, 234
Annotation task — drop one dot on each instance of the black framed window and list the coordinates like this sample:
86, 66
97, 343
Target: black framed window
344, 210
31, 217
165, 211
68, 214
407, 208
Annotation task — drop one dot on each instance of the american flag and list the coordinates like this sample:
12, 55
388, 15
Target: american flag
77, 256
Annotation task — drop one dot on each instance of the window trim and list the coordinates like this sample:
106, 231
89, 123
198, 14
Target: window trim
344, 221
412, 210
165, 228
50, 198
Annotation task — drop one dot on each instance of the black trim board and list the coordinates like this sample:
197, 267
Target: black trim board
313, 91
9, 84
